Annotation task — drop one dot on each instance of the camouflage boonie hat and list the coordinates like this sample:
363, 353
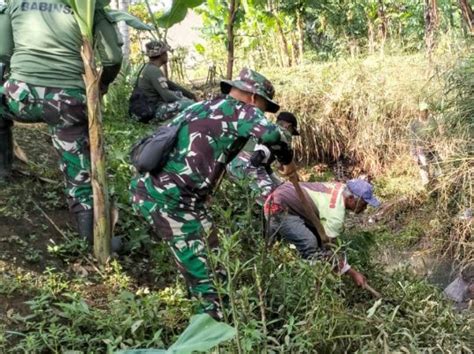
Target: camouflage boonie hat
253, 82
423, 106
156, 48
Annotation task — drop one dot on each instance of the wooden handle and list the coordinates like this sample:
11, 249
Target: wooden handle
372, 291
312, 209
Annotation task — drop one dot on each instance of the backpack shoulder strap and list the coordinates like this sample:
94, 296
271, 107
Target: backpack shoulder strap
138, 75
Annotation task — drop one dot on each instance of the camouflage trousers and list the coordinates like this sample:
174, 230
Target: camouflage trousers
428, 162
260, 182
188, 231
165, 111
65, 112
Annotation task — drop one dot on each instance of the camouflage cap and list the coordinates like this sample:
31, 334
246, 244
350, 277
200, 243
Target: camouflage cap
253, 82
156, 48
423, 106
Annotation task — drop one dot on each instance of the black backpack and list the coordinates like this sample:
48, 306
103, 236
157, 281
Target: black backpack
139, 107
151, 153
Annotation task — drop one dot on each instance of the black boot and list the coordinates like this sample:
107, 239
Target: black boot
85, 228
6, 148
85, 225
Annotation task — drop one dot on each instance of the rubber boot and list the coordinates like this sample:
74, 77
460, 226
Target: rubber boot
6, 148
85, 228
85, 225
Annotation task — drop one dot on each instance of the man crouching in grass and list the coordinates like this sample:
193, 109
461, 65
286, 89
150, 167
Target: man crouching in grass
287, 217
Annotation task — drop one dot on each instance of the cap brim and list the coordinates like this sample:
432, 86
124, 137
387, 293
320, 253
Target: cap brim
373, 202
272, 106
226, 85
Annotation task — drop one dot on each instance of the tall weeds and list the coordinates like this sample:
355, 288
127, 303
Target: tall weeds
358, 109
455, 188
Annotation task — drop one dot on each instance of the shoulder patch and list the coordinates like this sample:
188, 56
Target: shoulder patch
163, 82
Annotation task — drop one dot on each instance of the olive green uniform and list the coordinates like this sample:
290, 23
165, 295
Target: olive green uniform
46, 84
167, 97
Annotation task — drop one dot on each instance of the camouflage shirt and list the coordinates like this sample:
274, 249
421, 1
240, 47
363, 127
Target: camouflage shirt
211, 135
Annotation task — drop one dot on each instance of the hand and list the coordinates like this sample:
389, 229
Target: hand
357, 278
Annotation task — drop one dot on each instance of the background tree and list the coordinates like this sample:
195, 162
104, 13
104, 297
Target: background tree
431, 25
231, 19
123, 6
467, 14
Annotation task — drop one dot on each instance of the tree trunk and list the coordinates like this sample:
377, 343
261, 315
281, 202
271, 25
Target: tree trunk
123, 27
300, 25
283, 40
294, 47
467, 14
102, 224
371, 34
230, 38
431, 25
382, 30
280, 54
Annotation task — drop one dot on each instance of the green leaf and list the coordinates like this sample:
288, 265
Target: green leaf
102, 3
136, 325
203, 333
84, 14
141, 351
371, 311
130, 20
200, 48
177, 12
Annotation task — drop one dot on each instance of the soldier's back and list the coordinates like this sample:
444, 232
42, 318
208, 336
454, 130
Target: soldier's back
47, 43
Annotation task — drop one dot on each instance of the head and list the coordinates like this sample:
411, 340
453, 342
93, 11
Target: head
423, 110
157, 51
249, 98
288, 121
252, 88
358, 195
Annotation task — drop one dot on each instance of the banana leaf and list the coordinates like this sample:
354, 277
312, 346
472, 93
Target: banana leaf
84, 13
130, 20
202, 334
177, 12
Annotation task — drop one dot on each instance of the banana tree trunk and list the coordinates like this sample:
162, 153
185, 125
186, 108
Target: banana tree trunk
102, 225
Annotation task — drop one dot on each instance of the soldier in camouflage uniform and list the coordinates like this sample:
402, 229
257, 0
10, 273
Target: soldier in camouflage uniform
167, 97
255, 160
46, 85
173, 200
